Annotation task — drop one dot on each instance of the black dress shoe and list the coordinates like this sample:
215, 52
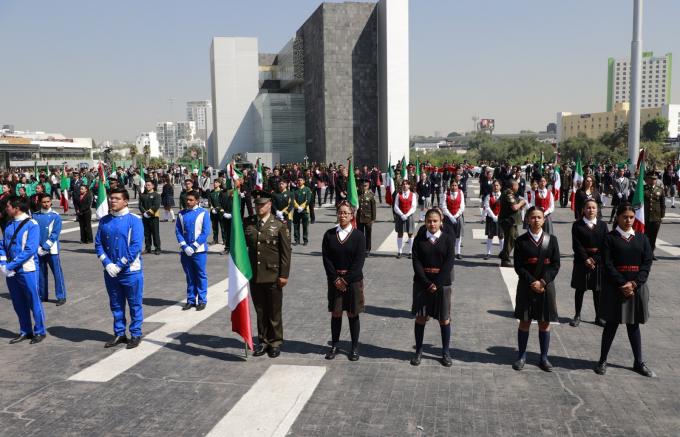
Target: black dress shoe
601, 368
655, 258
575, 321
486, 257
60, 302
157, 252
37, 338
295, 243
305, 243
398, 255
459, 256
260, 350
410, 256
200, 307
640, 368
147, 251
446, 360
273, 352
21, 338
354, 354
332, 352
545, 366
115, 341
134, 342
187, 306
506, 264
519, 364
600, 322
415, 361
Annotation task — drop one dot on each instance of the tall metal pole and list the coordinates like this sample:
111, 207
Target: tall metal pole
635, 85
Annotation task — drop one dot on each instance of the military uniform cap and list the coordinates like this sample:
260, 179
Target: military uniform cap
261, 196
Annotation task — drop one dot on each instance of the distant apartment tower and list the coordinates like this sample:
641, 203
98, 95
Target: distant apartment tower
173, 138
656, 81
149, 139
200, 112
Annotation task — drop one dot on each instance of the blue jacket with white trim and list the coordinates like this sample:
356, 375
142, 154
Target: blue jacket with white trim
24, 251
50, 228
119, 240
192, 228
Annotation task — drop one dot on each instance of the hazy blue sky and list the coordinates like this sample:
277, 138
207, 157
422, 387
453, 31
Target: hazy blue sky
108, 69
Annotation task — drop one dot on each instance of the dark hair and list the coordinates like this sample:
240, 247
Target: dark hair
41, 196
432, 211
194, 194
344, 203
18, 202
535, 208
590, 200
120, 190
623, 207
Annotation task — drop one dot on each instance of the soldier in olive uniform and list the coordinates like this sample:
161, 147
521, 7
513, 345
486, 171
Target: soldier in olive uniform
282, 202
150, 207
367, 212
301, 200
269, 252
655, 208
509, 218
216, 212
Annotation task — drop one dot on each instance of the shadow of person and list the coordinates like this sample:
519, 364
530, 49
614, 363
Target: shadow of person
387, 312
185, 346
5, 296
369, 350
7, 334
158, 302
511, 315
78, 335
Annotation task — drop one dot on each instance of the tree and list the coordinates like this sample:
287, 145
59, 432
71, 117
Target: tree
133, 151
655, 129
453, 134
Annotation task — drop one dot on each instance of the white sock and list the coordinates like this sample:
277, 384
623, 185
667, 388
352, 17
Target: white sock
172, 215
500, 244
489, 243
673, 201
400, 244
458, 241
410, 243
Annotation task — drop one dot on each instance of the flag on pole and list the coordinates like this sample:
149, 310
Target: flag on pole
639, 195
233, 172
142, 179
404, 172
259, 179
64, 185
557, 183
352, 194
102, 201
240, 274
578, 179
389, 184
417, 168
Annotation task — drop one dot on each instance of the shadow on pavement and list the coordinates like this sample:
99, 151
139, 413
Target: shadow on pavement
157, 302
387, 312
5, 296
187, 340
78, 334
7, 334
511, 315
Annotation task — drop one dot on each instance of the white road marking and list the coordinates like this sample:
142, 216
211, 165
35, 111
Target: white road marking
66, 231
511, 279
272, 404
667, 247
478, 234
176, 322
672, 215
389, 244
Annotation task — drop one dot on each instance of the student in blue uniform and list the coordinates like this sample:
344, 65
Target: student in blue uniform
119, 243
48, 252
192, 229
18, 263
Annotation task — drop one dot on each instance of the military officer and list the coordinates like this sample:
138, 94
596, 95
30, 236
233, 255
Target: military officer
282, 201
655, 208
302, 197
367, 212
509, 218
269, 252
150, 207
216, 214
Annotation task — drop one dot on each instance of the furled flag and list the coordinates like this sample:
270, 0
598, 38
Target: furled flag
102, 201
352, 194
240, 273
64, 185
639, 195
389, 184
557, 183
259, 179
233, 173
578, 179
417, 168
404, 170
142, 179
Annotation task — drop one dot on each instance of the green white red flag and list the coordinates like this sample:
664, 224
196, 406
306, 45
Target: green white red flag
577, 181
639, 196
102, 201
240, 273
259, 178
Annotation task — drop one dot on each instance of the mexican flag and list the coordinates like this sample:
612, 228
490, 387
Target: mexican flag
352, 194
639, 196
557, 183
417, 168
578, 178
102, 203
233, 173
142, 179
389, 184
404, 171
259, 179
65, 185
240, 274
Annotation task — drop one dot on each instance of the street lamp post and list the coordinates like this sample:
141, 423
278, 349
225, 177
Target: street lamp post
635, 85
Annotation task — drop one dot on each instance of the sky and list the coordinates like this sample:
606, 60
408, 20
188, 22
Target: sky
109, 70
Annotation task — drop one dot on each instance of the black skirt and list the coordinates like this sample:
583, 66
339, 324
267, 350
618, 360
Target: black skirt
436, 305
352, 300
452, 229
582, 278
493, 229
541, 307
615, 308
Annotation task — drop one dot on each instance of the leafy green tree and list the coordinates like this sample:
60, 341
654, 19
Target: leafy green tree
655, 129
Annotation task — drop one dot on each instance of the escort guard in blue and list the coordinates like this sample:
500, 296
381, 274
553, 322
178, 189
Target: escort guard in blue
18, 263
48, 251
192, 229
119, 243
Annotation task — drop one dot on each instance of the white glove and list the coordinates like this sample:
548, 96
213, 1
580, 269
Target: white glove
213, 210
300, 209
188, 251
11, 273
495, 219
146, 214
279, 215
403, 217
41, 251
112, 269
243, 195
620, 195
226, 215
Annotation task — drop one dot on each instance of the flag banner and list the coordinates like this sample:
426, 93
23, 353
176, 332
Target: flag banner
577, 181
352, 194
102, 201
240, 273
259, 178
639, 195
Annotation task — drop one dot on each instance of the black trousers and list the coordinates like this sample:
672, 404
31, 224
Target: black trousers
366, 228
268, 301
564, 197
312, 216
246, 202
436, 192
152, 234
377, 189
318, 195
218, 223
85, 222
652, 231
330, 191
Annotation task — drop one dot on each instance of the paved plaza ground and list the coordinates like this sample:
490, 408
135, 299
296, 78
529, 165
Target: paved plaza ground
189, 377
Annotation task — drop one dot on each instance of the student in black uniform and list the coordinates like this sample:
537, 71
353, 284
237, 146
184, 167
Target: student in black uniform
625, 297
433, 257
344, 250
537, 262
587, 237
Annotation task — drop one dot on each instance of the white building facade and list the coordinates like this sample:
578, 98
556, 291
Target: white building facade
170, 135
149, 139
656, 81
200, 112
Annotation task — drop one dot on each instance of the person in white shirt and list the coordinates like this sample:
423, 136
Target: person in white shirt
453, 209
492, 207
405, 205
